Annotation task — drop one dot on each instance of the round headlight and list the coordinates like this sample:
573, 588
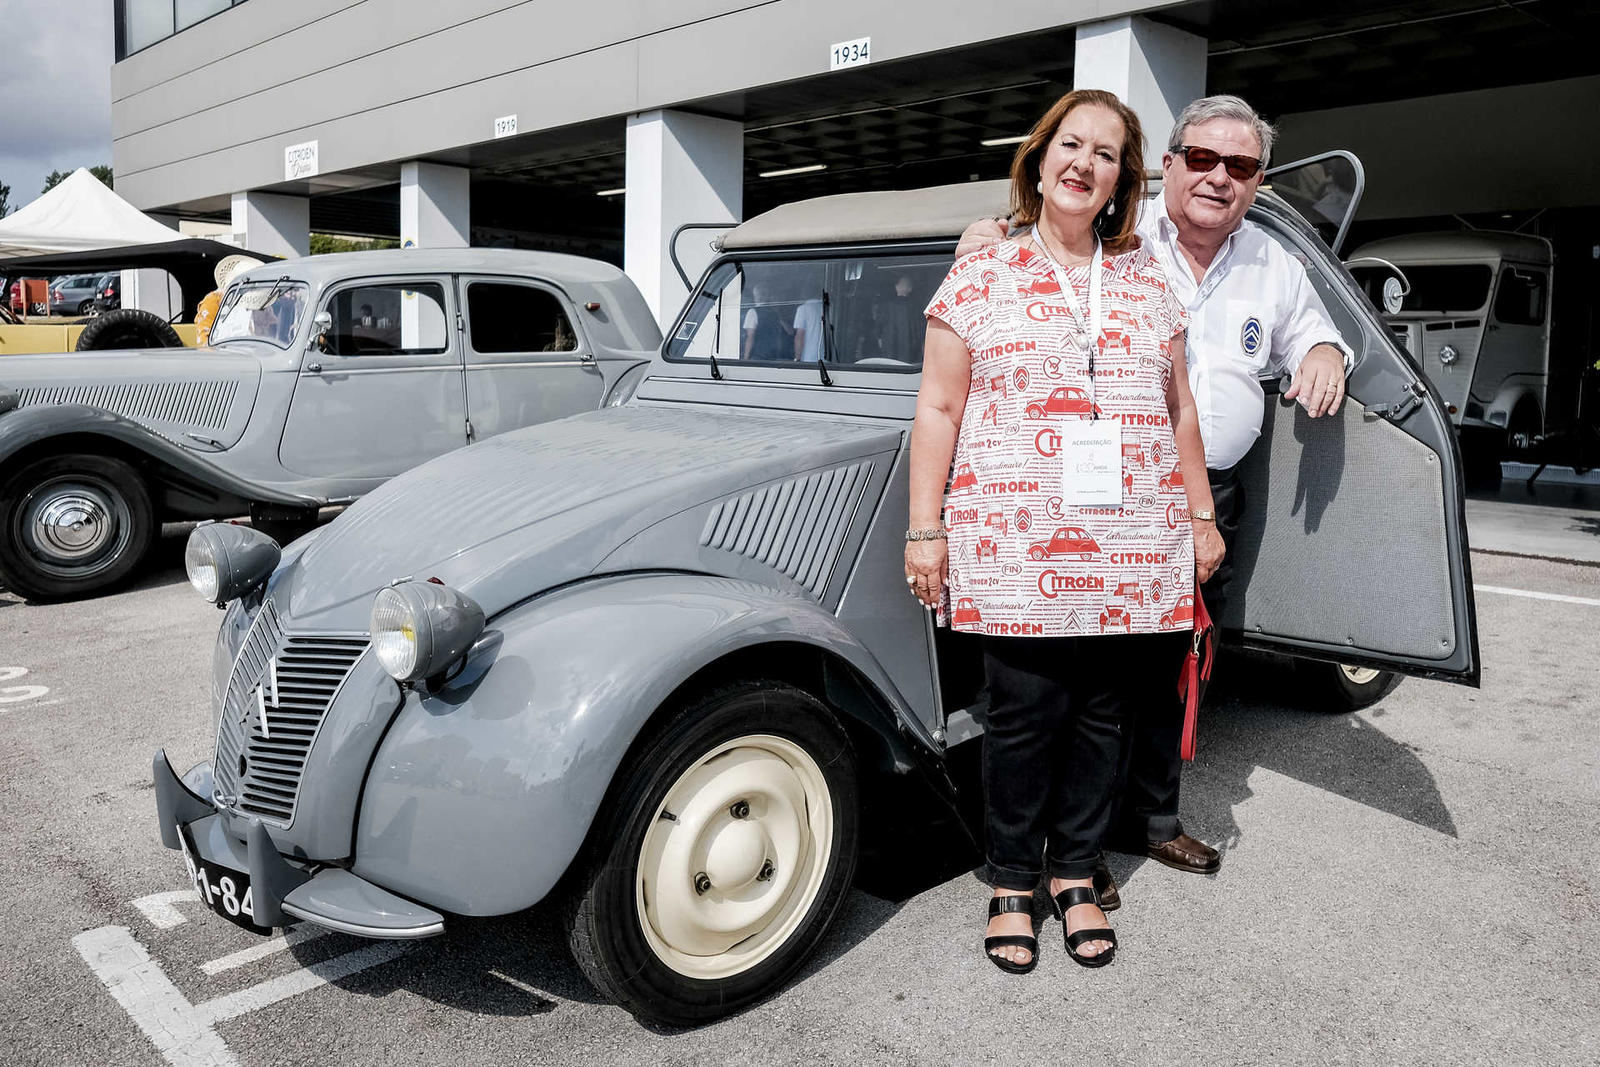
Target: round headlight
1448, 355
420, 628
225, 561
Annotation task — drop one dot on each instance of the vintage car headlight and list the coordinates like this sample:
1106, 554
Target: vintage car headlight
420, 628
225, 561
1448, 355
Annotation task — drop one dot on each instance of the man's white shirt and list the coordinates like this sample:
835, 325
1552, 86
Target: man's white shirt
808, 317
1254, 312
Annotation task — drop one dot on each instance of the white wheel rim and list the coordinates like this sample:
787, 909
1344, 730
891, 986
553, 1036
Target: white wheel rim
762, 872
1358, 675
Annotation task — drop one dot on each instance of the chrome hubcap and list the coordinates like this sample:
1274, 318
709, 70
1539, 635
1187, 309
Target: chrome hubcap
73, 526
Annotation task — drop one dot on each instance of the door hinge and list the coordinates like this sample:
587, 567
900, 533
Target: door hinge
461, 325
1400, 407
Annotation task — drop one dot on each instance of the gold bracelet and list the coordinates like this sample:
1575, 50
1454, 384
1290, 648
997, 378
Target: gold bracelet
931, 533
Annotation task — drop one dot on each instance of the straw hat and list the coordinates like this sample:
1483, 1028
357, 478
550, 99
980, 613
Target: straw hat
228, 266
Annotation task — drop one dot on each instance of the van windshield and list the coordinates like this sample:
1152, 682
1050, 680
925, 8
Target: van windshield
1442, 287
857, 311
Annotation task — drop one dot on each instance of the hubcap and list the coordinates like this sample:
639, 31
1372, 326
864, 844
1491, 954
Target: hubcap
1358, 675
725, 880
73, 526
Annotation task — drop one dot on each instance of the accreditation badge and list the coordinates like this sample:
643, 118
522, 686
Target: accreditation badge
1091, 452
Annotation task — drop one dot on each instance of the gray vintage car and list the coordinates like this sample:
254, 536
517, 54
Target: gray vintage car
325, 377
658, 661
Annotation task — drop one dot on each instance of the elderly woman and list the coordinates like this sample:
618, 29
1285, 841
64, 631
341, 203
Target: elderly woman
1049, 374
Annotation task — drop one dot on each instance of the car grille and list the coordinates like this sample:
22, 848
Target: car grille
259, 773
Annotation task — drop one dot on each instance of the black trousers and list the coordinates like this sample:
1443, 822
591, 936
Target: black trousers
1151, 761
1054, 742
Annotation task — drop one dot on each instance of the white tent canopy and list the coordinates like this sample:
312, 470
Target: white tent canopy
80, 214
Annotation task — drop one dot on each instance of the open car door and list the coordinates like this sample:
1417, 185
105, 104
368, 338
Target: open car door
1353, 545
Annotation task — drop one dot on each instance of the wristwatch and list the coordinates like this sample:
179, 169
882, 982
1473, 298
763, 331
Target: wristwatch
1203, 515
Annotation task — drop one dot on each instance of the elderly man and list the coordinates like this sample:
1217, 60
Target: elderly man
1252, 311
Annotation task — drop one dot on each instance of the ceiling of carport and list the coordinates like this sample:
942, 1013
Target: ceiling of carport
920, 121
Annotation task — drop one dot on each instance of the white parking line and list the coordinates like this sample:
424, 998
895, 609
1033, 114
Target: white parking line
1531, 595
295, 935
183, 1032
161, 908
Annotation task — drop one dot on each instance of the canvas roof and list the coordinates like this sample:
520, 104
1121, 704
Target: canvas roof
80, 214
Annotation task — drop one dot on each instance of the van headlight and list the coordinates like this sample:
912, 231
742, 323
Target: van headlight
225, 561
420, 628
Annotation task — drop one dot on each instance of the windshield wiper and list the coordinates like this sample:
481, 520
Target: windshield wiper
827, 342
716, 343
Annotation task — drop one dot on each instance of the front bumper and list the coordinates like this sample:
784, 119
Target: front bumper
284, 890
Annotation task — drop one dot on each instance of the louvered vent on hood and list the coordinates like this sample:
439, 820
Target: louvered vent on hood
796, 527
203, 404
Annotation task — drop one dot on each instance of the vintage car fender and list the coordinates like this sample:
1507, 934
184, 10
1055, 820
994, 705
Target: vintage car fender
1506, 400
480, 796
93, 429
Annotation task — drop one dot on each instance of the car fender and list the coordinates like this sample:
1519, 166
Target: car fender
91, 428
1506, 400
481, 795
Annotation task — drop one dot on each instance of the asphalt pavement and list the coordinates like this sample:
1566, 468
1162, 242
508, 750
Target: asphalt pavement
1411, 884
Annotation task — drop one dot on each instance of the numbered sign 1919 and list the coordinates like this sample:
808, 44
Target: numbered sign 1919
850, 53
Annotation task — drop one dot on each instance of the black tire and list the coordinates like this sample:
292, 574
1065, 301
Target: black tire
127, 328
1340, 689
1522, 436
606, 927
56, 561
85, 306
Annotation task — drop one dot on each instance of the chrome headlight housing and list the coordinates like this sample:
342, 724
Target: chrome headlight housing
225, 561
420, 628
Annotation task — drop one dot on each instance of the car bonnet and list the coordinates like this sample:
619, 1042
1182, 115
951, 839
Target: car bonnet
510, 517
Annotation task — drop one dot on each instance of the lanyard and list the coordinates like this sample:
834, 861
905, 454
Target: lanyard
1092, 336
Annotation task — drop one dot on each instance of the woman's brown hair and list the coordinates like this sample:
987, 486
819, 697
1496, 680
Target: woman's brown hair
1116, 231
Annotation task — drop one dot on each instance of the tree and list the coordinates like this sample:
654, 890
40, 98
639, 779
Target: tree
101, 171
5, 200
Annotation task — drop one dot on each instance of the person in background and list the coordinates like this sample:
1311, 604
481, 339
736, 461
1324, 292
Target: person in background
1252, 311
205, 315
1008, 324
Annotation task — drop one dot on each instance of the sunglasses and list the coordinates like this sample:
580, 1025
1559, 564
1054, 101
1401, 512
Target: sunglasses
1205, 160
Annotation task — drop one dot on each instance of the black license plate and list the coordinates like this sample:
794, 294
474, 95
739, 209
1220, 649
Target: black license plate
222, 889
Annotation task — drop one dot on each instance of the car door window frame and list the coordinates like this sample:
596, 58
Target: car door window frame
584, 352
371, 360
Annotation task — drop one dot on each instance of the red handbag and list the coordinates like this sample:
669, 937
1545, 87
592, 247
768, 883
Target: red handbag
1195, 673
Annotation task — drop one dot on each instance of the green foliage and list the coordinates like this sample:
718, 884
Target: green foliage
101, 171
5, 200
324, 243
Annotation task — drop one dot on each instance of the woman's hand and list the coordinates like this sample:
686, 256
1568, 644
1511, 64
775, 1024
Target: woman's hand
1208, 550
926, 562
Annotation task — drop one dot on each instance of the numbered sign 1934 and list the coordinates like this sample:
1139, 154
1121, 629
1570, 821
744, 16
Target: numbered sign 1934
850, 53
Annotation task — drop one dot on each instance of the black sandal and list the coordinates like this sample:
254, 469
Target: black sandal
1068, 899
1001, 906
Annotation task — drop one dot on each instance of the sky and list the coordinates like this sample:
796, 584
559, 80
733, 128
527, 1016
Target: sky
55, 90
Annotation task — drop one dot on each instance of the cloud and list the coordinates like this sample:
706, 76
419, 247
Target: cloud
55, 85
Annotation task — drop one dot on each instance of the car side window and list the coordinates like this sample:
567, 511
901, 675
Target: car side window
503, 317
1520, 300
389, 319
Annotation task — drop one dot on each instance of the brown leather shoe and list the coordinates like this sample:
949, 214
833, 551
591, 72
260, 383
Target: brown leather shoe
1184, 853
1106, 886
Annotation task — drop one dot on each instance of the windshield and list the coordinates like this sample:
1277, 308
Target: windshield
858, 311
1439, 288
262, 311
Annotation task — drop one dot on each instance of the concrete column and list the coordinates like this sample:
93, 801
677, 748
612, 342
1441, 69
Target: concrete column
435, 205
153, 289
272, 223
1155, 69
680, 168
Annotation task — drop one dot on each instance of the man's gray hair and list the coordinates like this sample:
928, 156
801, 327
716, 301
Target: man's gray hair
1223, 107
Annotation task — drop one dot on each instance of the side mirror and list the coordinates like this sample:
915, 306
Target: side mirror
1396, 287
320, 325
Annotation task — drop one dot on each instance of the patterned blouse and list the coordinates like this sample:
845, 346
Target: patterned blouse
1023, 562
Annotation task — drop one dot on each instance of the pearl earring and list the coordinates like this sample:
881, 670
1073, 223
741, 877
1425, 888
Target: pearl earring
1038, 186
1111, 209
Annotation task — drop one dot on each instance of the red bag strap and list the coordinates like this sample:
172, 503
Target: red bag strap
1196, 666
